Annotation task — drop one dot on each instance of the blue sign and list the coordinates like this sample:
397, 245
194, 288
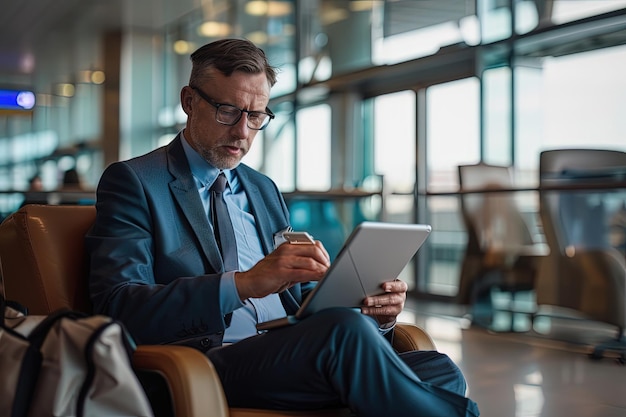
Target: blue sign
17, 100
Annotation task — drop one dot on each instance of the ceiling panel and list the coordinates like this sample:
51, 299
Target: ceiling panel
26, 26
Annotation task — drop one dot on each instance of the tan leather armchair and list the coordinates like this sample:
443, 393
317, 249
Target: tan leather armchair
43, 267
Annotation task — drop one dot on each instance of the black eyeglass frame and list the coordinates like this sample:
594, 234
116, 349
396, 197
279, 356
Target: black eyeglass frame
217, 106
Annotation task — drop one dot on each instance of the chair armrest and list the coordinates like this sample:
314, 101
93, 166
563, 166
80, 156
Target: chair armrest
193, 382
407, 337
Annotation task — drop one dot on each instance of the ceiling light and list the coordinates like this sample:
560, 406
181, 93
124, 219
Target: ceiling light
212, 29
65, 90
363, 5
268, 8
98, 77
91, 77
182, 47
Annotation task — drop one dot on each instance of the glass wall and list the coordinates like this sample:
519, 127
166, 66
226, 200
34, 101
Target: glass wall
570, 101
453, 138
313, 148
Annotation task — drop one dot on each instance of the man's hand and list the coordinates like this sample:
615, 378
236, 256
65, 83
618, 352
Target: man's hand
386, 307
287, 265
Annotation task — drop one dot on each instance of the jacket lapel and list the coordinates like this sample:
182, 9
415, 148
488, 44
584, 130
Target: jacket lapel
186, 195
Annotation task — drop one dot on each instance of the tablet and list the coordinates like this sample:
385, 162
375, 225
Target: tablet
374, 253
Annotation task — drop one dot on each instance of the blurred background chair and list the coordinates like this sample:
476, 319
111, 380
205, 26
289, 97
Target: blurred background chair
43, 267
502, 253
584, 277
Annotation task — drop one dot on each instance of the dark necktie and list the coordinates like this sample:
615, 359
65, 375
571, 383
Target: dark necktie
222, 225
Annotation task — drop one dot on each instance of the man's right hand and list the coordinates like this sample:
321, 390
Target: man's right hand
287, 265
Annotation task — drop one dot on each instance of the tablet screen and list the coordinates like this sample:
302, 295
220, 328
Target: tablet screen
375, 252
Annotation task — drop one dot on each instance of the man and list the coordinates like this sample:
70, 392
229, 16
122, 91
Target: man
156, 266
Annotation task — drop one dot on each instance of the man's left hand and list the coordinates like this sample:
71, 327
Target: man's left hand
386, 307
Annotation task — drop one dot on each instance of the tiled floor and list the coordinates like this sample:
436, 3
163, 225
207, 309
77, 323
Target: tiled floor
538, 373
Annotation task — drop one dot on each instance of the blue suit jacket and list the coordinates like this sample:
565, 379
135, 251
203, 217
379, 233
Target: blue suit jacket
154, 261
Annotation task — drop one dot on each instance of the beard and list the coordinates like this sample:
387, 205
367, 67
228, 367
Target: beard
219, 160
218, 155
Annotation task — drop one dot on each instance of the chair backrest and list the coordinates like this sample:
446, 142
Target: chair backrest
492, 219
579, 218
556, 163
42, 258
583, 271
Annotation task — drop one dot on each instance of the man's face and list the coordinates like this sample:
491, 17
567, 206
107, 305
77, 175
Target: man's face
224, 146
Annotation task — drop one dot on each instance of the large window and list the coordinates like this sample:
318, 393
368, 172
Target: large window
394, 142
567, 10
395, 158
573, 101
453, 131
313, 148
453, 138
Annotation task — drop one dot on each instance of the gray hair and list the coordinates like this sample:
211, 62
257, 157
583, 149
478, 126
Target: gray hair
228, 56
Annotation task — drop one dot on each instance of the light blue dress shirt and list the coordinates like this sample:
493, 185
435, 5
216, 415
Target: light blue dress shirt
249, 250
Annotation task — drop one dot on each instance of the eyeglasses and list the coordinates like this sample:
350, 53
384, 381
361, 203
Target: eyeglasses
230, 115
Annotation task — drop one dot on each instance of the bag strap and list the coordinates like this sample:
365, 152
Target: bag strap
4, 303
27, 380
31, 362
29, 368
39, 333
2, 290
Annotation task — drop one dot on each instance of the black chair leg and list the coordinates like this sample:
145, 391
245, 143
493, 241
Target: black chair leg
617, 345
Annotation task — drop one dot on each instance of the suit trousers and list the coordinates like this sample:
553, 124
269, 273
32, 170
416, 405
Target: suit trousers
336, 358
